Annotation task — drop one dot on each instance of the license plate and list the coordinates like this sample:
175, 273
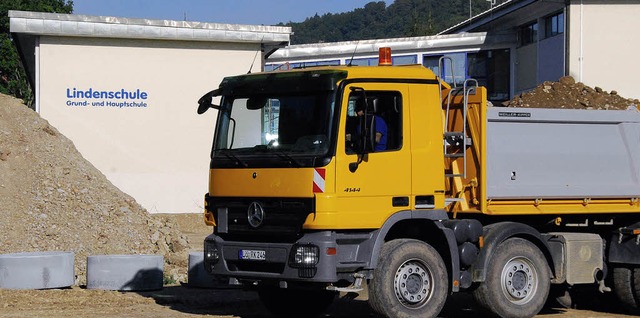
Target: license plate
254, 255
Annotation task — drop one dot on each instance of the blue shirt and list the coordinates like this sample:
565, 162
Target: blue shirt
381, 127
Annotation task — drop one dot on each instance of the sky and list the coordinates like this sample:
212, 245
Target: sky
265, 12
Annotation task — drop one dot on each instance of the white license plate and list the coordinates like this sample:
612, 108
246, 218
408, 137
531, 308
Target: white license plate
255, 255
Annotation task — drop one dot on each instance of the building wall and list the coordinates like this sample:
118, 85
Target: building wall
158, 150
604, 44
526, 67
551, 58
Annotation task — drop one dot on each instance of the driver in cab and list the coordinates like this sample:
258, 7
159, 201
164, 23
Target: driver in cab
376, 123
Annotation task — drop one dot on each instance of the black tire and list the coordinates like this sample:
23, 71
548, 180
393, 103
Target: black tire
517, 281
283, 302
626, 285
409, 281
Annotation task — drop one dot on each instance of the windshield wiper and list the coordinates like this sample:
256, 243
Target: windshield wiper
233, 157
292, 161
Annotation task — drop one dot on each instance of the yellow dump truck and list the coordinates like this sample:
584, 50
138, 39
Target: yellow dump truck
336, 179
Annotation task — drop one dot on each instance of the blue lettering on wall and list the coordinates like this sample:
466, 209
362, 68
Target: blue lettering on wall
109, 98
118, 94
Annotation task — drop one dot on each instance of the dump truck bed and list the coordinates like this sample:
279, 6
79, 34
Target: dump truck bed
562, 153
542, 161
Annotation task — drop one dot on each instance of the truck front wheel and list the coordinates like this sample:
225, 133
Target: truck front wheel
410, 280
517, 282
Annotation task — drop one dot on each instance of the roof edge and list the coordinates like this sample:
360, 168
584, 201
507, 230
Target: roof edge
56, 24
145, 22
370, 47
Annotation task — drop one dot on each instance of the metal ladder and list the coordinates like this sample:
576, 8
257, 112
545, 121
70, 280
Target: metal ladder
455, 143
457, 140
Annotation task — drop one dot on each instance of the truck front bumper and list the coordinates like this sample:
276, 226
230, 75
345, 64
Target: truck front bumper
312, 258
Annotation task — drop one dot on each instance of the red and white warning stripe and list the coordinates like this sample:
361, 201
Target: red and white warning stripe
318, 180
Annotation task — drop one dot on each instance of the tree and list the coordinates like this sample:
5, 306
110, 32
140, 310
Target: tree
13, 78
402, 18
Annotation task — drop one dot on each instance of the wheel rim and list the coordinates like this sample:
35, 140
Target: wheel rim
413, 283
519, 280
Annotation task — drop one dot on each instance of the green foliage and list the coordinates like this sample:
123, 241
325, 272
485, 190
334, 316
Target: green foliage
13, 79
402, 18
168, 280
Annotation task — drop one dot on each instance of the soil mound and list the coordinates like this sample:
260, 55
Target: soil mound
566, 93
52, 199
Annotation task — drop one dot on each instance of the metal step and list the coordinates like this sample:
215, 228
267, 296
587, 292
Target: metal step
452, 137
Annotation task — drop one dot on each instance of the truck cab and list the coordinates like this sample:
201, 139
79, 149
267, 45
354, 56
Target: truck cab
299, 194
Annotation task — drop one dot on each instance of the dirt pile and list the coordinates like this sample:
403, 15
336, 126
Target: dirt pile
52, 199
566, 93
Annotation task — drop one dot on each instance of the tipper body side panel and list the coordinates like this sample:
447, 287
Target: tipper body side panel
549, 161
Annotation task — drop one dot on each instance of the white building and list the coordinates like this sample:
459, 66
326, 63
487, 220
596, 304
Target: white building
125, 91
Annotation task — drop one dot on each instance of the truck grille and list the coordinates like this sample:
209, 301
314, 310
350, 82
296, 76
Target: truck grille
282, 222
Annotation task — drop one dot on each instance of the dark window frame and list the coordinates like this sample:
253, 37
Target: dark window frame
528, 33
554, 24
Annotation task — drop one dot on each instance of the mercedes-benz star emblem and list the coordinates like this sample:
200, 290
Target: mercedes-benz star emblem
255, 214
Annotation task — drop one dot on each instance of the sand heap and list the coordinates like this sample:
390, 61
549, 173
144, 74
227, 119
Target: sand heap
52, 199
566, 93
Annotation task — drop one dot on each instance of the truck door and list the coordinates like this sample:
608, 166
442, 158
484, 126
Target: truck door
381, 183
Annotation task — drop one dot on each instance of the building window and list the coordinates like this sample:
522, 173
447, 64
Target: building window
491, 69
372, 61
448, 72
528, 33
405, 60
554, 25
432, 62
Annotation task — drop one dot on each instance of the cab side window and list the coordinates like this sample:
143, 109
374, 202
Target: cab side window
381, 112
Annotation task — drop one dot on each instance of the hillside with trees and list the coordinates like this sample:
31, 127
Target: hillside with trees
13, 79
402, 18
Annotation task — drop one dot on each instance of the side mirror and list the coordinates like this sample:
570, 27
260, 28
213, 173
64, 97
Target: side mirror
256, 102
206, 101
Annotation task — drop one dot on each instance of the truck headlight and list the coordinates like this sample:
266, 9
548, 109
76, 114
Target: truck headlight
304, 256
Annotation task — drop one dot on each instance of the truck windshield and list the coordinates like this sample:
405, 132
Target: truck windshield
289, 129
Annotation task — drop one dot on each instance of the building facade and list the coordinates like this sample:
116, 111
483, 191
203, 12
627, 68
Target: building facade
125, 91
591, 40
510, 48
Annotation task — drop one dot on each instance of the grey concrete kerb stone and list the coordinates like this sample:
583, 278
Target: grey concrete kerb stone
125, 272
197, 275
37, 270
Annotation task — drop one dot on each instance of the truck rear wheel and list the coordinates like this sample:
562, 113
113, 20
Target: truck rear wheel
517, 281
284, 302
410, 280
626, 284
